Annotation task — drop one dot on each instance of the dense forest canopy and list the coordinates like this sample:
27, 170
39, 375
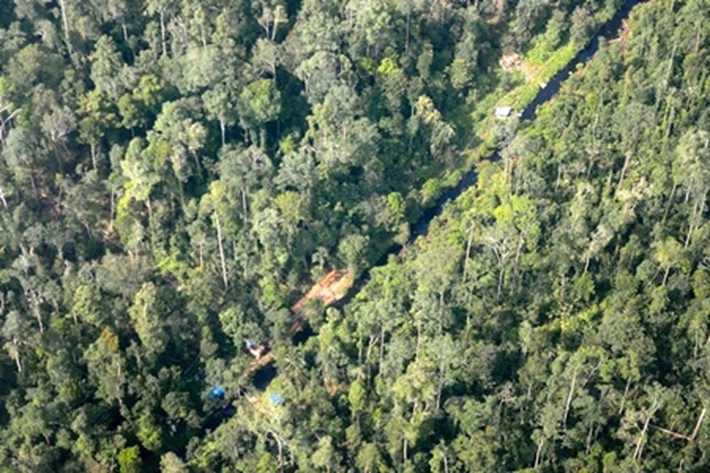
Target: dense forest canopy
174, 175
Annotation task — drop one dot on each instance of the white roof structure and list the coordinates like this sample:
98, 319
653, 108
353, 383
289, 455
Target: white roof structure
503, 112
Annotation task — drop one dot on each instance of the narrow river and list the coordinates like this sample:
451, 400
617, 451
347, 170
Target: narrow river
609, 31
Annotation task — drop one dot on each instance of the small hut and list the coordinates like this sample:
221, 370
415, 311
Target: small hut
257, 350
503, 111
276, 398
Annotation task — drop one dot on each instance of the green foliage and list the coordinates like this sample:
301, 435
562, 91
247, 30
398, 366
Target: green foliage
174, 176
129, 460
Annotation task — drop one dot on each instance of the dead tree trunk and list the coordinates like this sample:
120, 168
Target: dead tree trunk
65, 23
221, 250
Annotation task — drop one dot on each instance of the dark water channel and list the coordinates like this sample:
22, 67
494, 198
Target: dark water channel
609, 31
263, 377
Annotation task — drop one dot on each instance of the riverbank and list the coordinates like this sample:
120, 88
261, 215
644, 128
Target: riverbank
541, 82
486, 150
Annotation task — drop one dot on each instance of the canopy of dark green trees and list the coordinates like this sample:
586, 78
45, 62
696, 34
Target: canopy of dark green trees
174, 175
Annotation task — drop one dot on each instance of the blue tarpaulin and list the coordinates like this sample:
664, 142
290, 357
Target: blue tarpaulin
217, 392
276, 398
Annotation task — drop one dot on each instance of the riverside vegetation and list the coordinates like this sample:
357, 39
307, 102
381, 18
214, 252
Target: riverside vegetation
175, 174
